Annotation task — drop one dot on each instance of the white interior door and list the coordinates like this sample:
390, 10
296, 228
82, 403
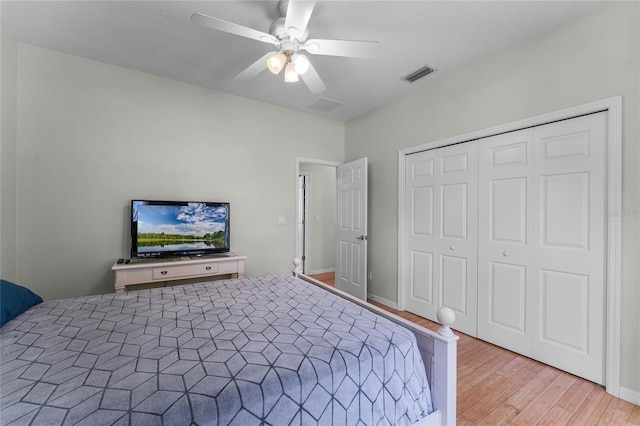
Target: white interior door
569, 186
351, 235
505, 229
441, 208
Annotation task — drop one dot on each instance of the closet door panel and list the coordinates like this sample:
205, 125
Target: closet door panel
507, 303
441, 208
570, 235
454, 284
504, 251
508, 198
422, 277
565, 210
458, 237
422, 215
569, 330
454, 211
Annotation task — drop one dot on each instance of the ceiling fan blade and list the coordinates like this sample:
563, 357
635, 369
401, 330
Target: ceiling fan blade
254, 69
297, 18
349, 48
231, 28
313, 81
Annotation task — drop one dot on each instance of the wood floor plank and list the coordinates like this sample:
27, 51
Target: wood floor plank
471, 396
594, 406
499, 387
576, 395
562, 412
618, 412
483, 371
530, 390
492, 401
634, 419
513, 367
537, 409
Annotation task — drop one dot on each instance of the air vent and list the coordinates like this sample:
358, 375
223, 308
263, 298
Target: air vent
416, 75
326, 105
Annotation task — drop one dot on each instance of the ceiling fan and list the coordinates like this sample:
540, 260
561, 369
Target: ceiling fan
289, 34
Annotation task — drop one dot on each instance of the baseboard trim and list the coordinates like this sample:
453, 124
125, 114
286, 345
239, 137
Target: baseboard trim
630, 395
320, 271
382, 300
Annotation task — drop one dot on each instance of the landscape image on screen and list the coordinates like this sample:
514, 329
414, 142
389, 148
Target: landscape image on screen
194, 226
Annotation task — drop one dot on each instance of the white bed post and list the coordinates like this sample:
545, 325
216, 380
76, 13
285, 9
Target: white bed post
297, 266
445, 367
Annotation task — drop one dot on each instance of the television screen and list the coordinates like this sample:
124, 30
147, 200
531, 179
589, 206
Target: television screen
176, 228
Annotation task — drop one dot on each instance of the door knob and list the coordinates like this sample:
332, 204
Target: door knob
361, 237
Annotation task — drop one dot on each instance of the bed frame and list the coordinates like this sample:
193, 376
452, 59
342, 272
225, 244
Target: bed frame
438, 350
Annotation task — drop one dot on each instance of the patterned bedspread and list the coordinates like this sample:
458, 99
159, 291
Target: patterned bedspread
267, 350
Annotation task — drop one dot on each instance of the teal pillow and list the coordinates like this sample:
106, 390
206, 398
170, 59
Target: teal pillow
14, 300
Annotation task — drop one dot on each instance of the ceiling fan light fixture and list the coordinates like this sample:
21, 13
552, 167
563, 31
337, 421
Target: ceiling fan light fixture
290, 74
289, 34
300, 63
276, 62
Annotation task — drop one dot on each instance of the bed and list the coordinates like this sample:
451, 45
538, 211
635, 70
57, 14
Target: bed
280, 349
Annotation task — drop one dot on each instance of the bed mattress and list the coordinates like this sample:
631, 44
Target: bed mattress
266, 350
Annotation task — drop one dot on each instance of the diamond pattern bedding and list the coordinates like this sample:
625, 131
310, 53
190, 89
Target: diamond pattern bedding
267, 350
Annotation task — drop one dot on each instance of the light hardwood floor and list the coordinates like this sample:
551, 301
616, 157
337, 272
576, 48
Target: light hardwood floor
496, 386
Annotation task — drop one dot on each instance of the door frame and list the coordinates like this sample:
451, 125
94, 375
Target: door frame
613, 204
304, 160
302, 247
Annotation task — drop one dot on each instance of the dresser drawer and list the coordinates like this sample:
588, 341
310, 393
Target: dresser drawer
229, 267
182, 271
135, 277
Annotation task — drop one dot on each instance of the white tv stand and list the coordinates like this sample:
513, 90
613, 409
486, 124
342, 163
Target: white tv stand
165, 270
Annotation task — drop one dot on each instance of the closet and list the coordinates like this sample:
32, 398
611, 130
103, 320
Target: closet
509, 232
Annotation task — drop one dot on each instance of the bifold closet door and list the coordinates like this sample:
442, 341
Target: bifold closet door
505, 253
541, 281
441, 234
569, 259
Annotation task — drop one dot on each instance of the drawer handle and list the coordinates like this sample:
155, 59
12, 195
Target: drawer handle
163, 272
506, 253
452, 248
208, 268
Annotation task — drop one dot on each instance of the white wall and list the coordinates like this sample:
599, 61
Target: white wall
94, 136
593, 58
321, 226
8, 139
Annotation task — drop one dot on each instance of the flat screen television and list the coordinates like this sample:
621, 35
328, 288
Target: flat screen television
178, 228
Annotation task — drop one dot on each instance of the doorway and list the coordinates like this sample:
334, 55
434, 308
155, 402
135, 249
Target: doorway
316, 215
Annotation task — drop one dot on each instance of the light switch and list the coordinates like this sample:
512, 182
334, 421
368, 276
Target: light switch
282, 220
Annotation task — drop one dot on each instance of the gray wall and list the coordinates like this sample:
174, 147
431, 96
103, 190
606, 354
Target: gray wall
92, 136
321, 227
8, 150
593, 58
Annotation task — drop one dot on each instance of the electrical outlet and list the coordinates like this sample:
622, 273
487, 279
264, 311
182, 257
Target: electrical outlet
370, 275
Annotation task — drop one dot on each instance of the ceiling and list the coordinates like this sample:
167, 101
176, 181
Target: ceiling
157, 37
